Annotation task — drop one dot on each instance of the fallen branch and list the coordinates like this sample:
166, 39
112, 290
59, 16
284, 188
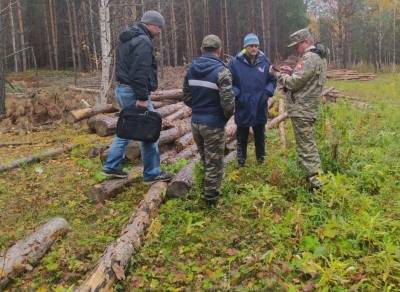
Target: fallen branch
27, 252
112, 265
36, 157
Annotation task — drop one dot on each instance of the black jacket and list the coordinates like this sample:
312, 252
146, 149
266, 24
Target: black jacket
136, 65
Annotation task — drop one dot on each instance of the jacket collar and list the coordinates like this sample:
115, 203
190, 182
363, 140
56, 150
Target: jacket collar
243, 58
145, 30
211, 56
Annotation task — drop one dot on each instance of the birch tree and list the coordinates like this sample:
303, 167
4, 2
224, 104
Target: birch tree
105, 37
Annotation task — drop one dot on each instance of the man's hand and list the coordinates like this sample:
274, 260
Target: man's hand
273, 70
142, 103
287, 70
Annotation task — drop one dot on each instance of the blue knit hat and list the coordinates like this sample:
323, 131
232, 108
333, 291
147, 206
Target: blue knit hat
251, 39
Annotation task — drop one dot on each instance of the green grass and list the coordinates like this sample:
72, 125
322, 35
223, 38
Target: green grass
269, 232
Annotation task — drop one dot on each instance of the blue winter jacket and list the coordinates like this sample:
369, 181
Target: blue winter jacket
253, 85
203, 83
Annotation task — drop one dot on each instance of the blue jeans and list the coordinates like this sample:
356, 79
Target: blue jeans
125, 97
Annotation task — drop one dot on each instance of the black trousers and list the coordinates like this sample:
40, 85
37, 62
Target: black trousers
242, 136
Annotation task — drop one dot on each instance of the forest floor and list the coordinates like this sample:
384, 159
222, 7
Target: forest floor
268, 232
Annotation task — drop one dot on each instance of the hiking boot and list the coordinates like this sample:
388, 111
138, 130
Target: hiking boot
163, 176
115, 173
260, 161
315, 183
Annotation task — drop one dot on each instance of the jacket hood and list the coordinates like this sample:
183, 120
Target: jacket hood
242, 57
133, 31
204, 65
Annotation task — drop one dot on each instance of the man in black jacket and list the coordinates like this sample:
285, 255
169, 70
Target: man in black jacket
136, 73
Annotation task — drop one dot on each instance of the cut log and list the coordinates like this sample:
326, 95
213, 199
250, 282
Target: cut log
84, 90
103, 125
168, 156
167, 94
35, 157
230, 130
27, 252
110, 188
187, 153
112, 265
282, 134
183, 181
184, 141
81, 114
180, 129
170, 109
160, 104
182, 113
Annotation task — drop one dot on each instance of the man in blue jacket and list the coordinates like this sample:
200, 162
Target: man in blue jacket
207, 89
136, 73
253, 85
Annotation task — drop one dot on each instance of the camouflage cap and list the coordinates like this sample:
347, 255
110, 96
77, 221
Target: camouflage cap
211, 41
299, 36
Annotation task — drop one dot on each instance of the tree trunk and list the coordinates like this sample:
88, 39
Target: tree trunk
105, 36
92, 31
21, 33
54, 32
173, 34
81, 114
27, 252
77, 36
47, 31
111, 267
36, 157
206, 28
161, 44
2, 92
13, 37
71, 34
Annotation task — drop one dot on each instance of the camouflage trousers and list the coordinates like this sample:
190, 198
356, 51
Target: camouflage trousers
211, 146
306, 145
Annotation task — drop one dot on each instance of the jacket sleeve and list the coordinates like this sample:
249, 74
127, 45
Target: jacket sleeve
226, 93
140, 69
187, 95
231, 66
271, 86
301, 74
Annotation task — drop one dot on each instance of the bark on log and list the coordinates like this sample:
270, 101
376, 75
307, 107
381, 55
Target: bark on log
185, 154
282, 134
184, 142
170, 109
103, 125
183, 181
180, 129
160, 104
110, 188
230, 130
27, 252
168, 156
35, 157
111, 267
84, 90
167, 94
81, 114
182, 113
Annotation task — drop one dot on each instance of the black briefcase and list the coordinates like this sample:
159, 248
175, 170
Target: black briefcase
139, 124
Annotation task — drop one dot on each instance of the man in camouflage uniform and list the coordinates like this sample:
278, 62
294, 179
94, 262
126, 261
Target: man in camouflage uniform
303, 87
208, 91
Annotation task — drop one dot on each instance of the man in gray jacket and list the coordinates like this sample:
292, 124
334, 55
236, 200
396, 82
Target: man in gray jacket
136, 73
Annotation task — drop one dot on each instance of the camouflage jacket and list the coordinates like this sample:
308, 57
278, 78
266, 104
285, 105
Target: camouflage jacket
305, 85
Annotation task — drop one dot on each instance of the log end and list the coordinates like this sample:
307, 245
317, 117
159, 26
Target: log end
177, 190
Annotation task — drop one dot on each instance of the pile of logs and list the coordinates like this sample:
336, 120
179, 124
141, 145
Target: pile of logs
331, 94
344, 74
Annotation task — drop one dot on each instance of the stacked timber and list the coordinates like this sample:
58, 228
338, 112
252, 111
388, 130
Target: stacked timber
344, 74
